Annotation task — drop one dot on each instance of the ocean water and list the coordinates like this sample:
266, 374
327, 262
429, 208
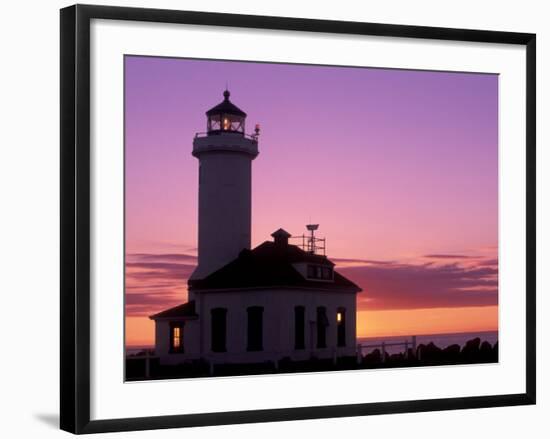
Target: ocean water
440, 340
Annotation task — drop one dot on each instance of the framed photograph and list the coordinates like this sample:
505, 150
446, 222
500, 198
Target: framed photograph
304, 218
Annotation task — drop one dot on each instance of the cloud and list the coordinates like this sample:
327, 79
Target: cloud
154, 270
147, 298
158, 281
488, 263
159, 286
179, 257
346, 261
445, 256
410, 286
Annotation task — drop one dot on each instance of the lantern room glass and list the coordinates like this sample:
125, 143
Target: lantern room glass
224, 122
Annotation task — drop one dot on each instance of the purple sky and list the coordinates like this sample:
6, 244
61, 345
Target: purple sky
395, 165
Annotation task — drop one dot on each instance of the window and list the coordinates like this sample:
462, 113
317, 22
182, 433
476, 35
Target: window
319, 272
214, 123
322, 324
176, 337
299, 327
255, 328
225, 122
219, 330
326, 273
341, 327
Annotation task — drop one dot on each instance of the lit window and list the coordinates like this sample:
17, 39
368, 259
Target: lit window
341, 327
226, 123
176, 337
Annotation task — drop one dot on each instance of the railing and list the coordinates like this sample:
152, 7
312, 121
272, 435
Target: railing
252, 137
311, 245
383, 345
148, 355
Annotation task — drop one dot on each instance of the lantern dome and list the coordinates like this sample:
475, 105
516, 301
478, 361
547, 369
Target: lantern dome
225, 117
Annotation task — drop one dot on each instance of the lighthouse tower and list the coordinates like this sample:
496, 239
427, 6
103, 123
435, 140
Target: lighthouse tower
225, 155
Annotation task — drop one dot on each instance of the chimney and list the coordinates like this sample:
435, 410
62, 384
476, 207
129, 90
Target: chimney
280, 237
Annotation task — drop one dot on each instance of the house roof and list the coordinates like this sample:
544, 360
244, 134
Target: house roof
184, 310
271, 265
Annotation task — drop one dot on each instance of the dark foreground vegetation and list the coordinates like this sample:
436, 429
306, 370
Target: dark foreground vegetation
473, 352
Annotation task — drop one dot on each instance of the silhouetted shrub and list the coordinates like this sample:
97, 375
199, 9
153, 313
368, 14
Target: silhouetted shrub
431, 353
486, 352
474, 351
244, 369
470, 351
348, 362
396, 357
373, 357
451, 353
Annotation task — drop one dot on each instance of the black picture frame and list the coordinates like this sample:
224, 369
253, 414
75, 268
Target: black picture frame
75, 217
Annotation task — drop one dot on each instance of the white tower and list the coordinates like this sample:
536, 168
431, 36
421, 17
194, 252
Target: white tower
225, 156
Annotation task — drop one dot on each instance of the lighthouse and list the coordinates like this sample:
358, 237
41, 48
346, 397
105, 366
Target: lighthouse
251, 306
225, 155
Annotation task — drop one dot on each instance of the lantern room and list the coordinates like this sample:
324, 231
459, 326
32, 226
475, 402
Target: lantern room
225, 117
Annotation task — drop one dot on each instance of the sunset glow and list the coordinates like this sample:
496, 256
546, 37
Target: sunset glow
399, 168
427, 321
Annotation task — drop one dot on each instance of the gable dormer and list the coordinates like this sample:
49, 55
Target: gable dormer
315, 271
319, 272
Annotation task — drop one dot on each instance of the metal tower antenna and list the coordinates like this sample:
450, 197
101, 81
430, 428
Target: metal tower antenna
311, 241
